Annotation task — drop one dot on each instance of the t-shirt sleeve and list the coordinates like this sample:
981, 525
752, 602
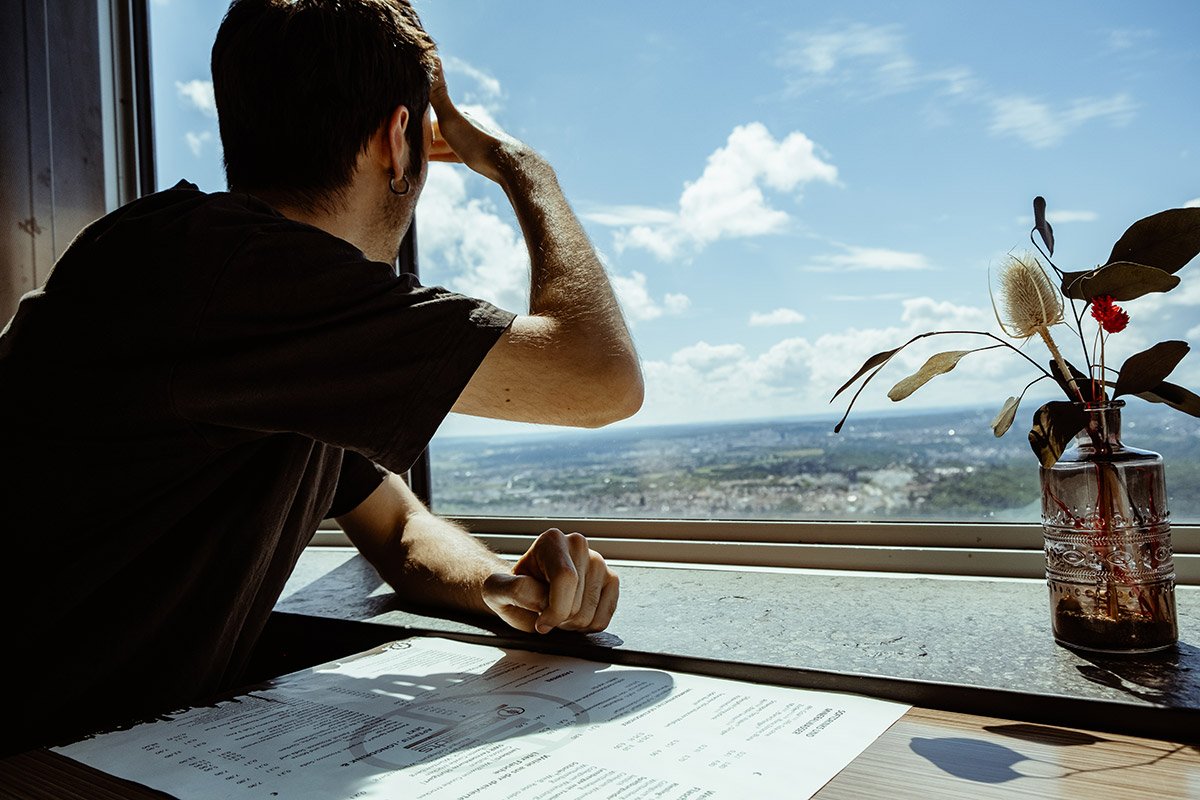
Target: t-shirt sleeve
356, 480
303, 334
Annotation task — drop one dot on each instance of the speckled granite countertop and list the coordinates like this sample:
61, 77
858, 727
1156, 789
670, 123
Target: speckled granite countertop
975, 645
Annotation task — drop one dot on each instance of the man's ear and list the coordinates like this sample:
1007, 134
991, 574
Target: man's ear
396, 143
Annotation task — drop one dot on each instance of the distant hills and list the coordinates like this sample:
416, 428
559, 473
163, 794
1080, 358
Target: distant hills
924, 466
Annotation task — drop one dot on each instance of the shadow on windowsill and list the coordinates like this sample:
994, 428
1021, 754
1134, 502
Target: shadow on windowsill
1167, 678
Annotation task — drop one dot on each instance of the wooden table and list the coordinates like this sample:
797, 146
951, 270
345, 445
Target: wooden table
927, 754
937, 754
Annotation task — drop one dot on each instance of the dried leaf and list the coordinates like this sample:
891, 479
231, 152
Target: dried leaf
838, 428
1145, 370
1054, 426
1176, 397
1041, 225
937, 364
1122, 280
1167, 240
1004, 420
1085, 384
877, 360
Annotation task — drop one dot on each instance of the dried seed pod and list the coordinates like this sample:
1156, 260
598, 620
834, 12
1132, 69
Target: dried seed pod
1031, 302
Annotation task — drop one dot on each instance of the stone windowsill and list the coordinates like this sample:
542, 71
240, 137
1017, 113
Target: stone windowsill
973, 645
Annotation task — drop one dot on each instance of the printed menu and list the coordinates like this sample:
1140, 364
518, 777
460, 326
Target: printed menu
437, 719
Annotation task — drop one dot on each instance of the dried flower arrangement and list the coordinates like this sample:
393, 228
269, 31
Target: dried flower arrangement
1144, 260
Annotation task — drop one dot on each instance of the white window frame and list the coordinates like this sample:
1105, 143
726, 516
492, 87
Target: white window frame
932, 548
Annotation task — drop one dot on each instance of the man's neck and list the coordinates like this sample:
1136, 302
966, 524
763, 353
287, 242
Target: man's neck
361, 227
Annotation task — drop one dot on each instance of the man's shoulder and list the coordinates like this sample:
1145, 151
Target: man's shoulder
182, 218
262, 233
185, 206
208, 231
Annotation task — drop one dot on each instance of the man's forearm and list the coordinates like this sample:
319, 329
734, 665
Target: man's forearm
567, 280
558, 582
436, 563
426, 559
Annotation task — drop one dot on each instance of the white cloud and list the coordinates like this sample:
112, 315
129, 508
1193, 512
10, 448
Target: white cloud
480, 114
665, 241
469, 244
1069, 216
864, 61
196, 141
482, 87
856, 259
820, 53
707, 358
1040, 125
849, 54
1162, 315
466, 243
637, 303
199, 94
707, 381
676, 303
1192, 203
929, 315
1129, 39
621, 216
1061, 217
473, 249
780, 316
955, 82
728, 199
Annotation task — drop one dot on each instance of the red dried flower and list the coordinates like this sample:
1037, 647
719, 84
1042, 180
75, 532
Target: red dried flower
1111, 318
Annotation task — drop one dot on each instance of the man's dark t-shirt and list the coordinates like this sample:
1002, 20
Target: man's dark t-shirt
198, 384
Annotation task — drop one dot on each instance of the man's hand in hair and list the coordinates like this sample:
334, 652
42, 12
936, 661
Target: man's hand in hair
460, 138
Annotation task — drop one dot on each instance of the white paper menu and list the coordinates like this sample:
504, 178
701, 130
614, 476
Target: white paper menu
442, 720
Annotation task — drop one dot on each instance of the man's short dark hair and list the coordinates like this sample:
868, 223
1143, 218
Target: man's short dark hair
302, 85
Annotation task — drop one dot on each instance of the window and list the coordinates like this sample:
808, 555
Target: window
779, 192
187, 143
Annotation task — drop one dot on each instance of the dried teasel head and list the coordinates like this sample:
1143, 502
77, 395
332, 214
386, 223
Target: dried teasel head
1031, 302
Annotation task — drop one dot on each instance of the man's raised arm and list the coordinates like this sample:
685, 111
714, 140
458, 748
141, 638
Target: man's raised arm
570, 360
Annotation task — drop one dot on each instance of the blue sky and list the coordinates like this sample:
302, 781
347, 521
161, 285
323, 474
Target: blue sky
781, 189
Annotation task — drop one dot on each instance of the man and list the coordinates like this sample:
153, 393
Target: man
203, 378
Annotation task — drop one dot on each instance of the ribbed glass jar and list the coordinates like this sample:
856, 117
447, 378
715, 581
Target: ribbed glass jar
1107, 530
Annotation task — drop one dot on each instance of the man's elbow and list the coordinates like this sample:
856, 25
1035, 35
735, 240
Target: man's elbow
619, 395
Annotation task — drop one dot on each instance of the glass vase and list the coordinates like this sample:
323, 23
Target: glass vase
1107, 530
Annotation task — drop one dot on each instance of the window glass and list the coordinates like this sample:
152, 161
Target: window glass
781, 190
187, 144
